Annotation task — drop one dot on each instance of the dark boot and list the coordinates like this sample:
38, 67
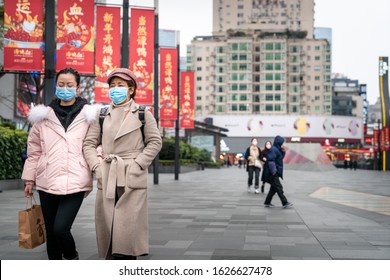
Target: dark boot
75, 258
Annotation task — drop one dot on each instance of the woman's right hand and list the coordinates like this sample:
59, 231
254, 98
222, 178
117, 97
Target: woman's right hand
28, 187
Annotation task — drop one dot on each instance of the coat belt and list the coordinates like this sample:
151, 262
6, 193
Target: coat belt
117, 171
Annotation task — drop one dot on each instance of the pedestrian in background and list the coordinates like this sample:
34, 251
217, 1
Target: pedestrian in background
128, 149
275, 164
263, 158
252, 156
55, 162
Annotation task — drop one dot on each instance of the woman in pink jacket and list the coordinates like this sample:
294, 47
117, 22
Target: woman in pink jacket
55, 162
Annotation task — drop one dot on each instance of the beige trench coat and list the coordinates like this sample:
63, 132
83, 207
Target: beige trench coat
121, 210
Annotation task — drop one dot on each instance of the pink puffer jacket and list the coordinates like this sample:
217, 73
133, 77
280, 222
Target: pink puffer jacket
55, 157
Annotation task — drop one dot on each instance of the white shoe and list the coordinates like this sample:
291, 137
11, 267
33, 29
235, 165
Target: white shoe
257, 191
249, 189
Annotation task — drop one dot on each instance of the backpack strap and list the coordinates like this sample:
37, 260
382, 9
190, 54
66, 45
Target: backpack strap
141, 116
102, 115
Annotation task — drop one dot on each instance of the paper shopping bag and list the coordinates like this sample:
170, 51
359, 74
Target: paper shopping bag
32, 231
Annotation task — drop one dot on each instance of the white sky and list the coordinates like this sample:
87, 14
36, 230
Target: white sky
361, 32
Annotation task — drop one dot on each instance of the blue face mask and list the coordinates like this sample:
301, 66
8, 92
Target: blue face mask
118, 94
65, 94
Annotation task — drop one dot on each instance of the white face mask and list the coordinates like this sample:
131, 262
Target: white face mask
268, 146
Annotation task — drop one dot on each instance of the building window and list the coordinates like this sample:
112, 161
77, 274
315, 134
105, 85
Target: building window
278, 97
269, 46
199, 59
279, 87
269, 97
317, 57
294, 109
317, 98
317, 88
317, 108
278, 107
294, 99
317, 78
317, 48
198, 78
269, 107
220, 109
199, 98
243, 108
199, 69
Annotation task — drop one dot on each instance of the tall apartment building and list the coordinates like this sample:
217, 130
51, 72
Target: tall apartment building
261, 58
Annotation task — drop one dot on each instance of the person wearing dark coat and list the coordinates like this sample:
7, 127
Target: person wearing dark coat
263, 158
275, 164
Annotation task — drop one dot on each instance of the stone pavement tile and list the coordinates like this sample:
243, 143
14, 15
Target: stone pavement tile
351, 254
314, 251
226, 254
209, 215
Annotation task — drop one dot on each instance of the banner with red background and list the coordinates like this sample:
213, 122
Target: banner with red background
167, 123
168, 84
23, 35
75, 35
108, 48
142, 53
187, 99
386, 140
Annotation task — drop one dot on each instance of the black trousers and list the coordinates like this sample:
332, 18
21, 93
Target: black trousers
59, 213
276, 187
253, 170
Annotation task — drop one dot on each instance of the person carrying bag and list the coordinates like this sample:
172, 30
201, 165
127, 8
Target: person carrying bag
32, 231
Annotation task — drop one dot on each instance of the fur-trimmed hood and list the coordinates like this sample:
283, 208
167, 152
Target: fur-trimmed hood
40, 113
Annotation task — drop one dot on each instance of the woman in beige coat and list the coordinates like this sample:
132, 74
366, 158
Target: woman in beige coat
121, 211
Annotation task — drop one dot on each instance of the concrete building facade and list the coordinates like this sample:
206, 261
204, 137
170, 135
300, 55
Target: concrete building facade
261, 59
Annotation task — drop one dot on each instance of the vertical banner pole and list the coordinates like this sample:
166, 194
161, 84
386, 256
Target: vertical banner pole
156, 93
50, 48
177, 126
125, 35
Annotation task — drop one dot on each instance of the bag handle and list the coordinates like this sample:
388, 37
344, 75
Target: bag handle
29, 201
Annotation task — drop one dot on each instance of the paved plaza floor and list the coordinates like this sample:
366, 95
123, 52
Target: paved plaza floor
339, 214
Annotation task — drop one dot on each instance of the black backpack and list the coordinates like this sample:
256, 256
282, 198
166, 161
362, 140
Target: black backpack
141, 116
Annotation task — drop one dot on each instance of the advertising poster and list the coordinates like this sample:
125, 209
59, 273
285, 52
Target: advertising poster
168, 84
75, 35
187, 100
23, 35
108, 48
142, 53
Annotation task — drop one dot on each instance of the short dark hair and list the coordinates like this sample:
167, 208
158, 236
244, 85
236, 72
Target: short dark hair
70, 71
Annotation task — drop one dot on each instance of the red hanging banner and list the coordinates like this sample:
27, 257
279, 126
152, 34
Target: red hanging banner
386, 132
167, 123
142, 53
23, 35
187, 99
75, 35
108, 48
168, 84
